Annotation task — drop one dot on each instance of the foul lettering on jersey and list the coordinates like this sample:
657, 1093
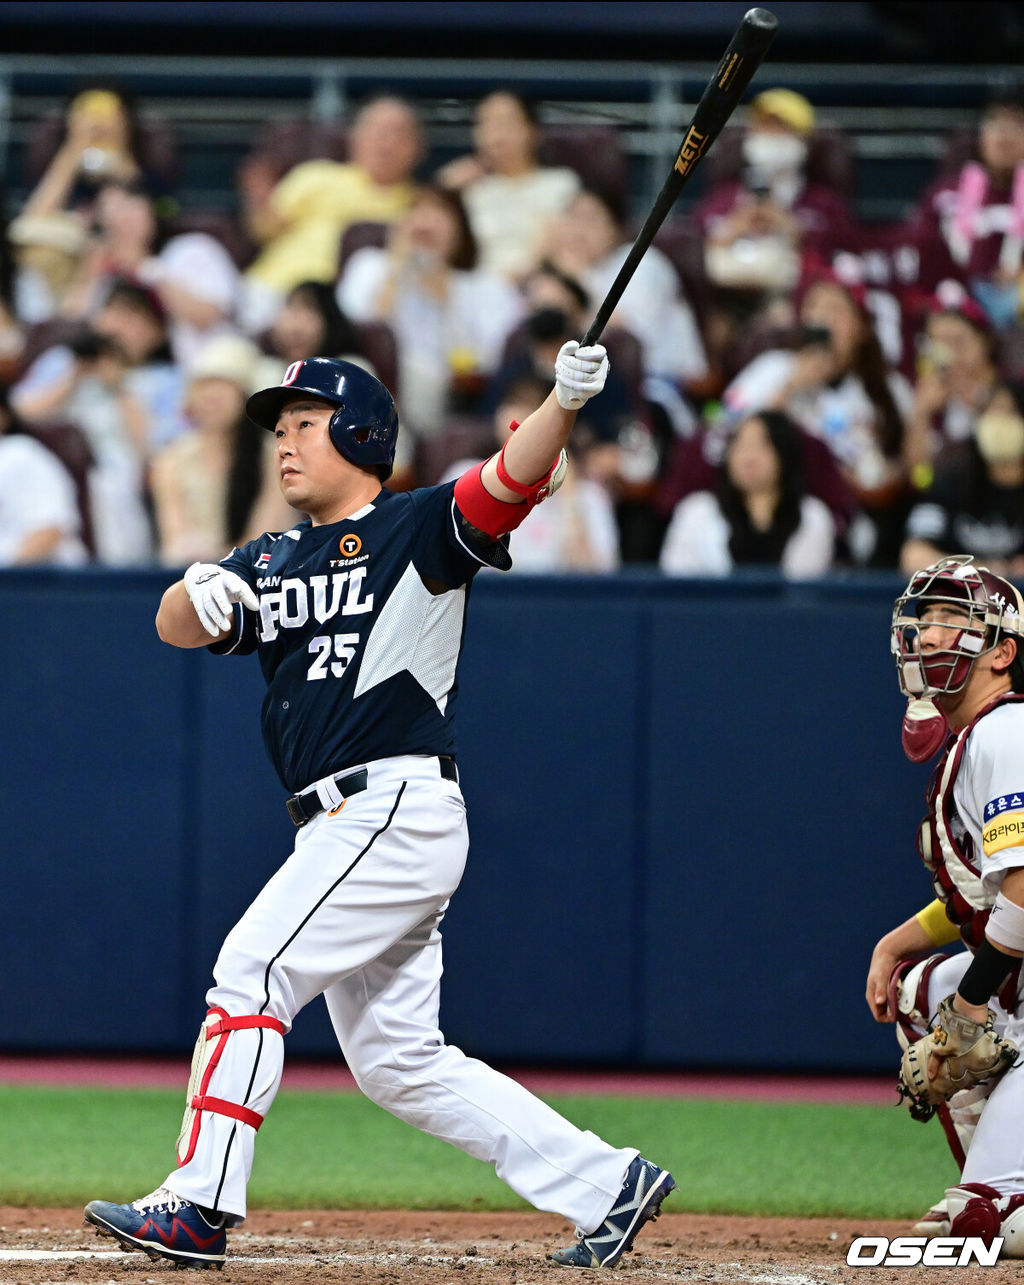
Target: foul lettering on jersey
1004, 823
295, 602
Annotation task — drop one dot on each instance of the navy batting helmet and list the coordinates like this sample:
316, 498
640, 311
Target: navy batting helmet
364, 428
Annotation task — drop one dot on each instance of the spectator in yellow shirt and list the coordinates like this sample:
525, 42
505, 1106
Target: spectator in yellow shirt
300, 225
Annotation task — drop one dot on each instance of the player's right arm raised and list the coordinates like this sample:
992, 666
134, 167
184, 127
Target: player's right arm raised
198, 609
532, 452
495, 497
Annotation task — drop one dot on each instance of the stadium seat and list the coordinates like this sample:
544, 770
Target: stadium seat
626, 356
222, 226
68, 443
285, 143
961, 147
463, 437
358, 235
380, 348
377, 344
48, 334
680, 241
595, 152
758, 335
158, 151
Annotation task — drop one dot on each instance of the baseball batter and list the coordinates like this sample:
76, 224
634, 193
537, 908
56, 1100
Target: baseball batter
357, 617
957, 634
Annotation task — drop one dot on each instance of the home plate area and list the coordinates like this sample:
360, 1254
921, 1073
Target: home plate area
394, 1247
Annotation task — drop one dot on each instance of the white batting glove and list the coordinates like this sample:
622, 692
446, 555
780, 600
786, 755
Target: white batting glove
579, 374
211, 591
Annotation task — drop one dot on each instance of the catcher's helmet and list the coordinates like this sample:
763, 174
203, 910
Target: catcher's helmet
364, 428
987, 608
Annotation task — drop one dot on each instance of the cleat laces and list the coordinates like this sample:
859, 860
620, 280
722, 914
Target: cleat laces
162, 1198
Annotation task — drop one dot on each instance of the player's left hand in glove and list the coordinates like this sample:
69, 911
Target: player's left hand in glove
957, 1053
212, 590
579, 373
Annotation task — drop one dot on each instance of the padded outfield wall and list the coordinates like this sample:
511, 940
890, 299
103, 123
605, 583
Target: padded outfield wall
690, 820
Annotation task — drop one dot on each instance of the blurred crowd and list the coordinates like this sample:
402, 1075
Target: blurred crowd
790, 387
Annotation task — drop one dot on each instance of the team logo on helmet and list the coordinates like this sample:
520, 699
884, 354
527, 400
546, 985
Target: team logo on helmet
350, 545
966, 608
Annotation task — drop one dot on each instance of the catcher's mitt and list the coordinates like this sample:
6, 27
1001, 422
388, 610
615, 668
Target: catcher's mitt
968, 1052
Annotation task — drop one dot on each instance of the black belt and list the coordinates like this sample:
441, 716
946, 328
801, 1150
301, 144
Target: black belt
305, 806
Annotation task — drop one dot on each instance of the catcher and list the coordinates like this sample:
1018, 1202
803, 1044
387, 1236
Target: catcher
957, 635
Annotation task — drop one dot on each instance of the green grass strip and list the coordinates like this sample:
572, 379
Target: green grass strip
330, 1150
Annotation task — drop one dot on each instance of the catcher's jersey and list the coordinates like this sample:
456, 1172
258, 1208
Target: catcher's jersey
989, 792
358, 654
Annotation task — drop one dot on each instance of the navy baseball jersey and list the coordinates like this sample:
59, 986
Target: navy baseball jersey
359, 631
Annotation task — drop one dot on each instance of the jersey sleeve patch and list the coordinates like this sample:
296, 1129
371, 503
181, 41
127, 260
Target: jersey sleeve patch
1004, 823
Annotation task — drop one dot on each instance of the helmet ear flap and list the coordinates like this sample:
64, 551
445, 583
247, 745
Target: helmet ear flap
348, 442
335, 429
339, 428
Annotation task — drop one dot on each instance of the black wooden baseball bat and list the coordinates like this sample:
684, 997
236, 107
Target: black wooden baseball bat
720, 99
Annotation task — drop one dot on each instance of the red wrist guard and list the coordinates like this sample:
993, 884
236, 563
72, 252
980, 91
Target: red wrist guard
532, 492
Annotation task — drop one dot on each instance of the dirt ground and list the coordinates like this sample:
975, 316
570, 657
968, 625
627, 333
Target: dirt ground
45, 1246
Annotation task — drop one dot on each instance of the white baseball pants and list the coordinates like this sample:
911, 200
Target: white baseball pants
996, 1152
354, 914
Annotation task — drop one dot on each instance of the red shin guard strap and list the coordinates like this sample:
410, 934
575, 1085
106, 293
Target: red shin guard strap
242, 1024
220, 1030
220, 1107
952, 1137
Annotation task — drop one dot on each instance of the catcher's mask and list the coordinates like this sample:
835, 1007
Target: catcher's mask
986, 608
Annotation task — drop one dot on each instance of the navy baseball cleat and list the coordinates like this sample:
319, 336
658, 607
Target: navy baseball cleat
163, 1225
639, 1201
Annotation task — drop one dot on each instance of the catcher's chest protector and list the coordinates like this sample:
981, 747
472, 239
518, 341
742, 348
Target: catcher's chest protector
947, 850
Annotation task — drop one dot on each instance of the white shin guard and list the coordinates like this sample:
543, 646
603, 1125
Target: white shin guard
213, 1036
976, 1209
